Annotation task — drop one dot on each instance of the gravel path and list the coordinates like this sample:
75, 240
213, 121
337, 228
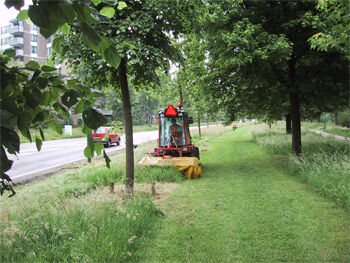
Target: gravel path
326, 134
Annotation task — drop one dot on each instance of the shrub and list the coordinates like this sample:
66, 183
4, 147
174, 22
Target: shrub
344, 118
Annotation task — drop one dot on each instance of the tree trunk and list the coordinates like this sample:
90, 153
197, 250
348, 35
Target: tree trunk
288, 124
269, 123
180, 93
295, 105
296, 130
336, 118
129, 182
199, 127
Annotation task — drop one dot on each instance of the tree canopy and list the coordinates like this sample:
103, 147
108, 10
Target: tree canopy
260, 59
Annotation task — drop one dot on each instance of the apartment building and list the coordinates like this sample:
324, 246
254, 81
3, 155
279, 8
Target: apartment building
26, 40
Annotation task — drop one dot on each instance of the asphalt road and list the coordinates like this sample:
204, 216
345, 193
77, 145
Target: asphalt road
57, 153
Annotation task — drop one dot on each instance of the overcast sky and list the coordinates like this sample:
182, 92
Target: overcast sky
7, 14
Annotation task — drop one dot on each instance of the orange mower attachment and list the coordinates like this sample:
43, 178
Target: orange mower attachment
190, 166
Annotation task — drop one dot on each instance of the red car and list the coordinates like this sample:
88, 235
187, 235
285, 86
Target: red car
106, 136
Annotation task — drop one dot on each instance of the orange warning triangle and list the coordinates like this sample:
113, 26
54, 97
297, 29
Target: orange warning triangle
170, 111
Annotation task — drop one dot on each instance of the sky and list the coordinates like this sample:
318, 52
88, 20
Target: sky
7, 14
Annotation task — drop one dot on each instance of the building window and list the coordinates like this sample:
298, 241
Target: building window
34, 50
34, 38
34, 27
20, 23
6, 41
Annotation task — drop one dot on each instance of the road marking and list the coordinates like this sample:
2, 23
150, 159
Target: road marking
47, 168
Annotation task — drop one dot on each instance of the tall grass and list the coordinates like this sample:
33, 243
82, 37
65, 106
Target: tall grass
324, 164
92, 229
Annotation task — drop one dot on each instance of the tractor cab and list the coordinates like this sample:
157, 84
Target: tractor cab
174, 133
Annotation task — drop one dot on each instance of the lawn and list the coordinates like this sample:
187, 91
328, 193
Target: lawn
248, 206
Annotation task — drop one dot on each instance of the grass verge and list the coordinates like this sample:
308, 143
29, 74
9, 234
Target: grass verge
71, 216
247, 208
324, 164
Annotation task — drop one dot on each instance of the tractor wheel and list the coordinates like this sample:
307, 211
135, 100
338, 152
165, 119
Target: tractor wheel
108, 144
195, 152
118, 142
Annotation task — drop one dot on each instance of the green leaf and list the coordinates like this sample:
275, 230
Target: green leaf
88, 153
86, 130
57, 42
9, 53
54, 125
79, 108
89, 44
108, 11
48, 68
93, 119
33, 65
70, 98
108, 161
90, 33
10, 139
33, 97
104, 44
9, 104
38, 143
96, 2
60, 109
41, 116
42, 134
65, 29
89, 149
121, 5
5, 119
50, 15
98, 147
41, 82
16, 3
84, 13
26, 133
22, 15
24, 120
112, 57
5, 163
56, 81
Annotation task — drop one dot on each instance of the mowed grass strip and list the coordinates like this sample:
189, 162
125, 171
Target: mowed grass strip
247, 207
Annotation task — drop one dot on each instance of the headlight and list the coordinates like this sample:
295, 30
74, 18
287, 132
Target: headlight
185, 149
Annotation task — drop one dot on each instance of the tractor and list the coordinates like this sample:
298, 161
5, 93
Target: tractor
175, 147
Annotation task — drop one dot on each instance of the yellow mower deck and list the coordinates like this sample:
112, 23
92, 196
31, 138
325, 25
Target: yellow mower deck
190, 166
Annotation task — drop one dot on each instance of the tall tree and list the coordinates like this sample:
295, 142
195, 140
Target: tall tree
259, 51
141, 33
